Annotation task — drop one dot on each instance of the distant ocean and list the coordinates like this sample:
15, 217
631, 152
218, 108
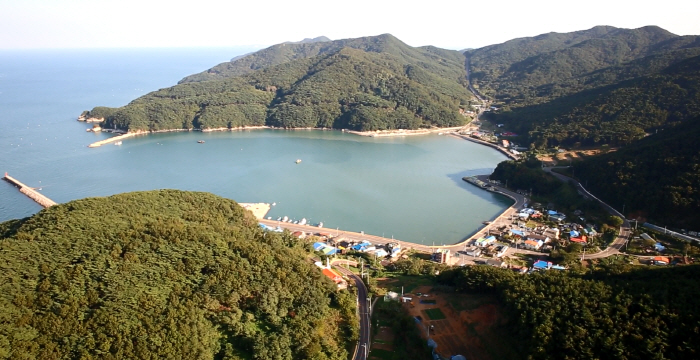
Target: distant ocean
408, 187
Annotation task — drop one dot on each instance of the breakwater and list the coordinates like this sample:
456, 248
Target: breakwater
30, 192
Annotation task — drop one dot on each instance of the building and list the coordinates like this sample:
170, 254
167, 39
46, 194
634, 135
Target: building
533, 244
660, 260
442, 256
485, 241
537, 237
473, 251
496, 263
552, 233
581, 239
542, 265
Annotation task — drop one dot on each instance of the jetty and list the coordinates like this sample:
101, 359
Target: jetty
30, 192
112, 139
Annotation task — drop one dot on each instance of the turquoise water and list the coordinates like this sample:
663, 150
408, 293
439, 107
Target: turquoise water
406, 187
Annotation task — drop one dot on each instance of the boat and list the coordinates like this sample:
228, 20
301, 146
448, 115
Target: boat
296, 221
303, 221
285, 218
273, 204
298, 161
269, 218
200, 141
279, 218
320, 224
118, 143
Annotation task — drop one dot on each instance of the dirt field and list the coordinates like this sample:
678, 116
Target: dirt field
564, 158
473, 325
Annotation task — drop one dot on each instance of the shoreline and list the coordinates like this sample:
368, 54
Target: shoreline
377, 133
261, 209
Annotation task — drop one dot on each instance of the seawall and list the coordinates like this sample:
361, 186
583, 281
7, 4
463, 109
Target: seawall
31, 193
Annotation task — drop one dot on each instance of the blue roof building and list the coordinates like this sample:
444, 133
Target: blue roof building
542, 265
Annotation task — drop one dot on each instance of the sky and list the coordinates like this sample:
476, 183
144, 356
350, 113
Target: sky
453, 24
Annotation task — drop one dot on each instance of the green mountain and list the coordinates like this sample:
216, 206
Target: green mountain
599, 86
164, 275
656, 179
371, 83
614, 312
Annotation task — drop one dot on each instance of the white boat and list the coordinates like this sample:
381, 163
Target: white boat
273, 204
320, 224
118, 143
298, 161
279, 219
303, 221
285, 218
296, 221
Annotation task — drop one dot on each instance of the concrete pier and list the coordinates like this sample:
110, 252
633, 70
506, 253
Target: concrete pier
30, 192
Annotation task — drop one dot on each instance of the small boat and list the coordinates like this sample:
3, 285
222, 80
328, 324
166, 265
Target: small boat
296, 221
285, 218
279, 218
320, 224
273, 204
303, 221
269, 218
200, 141
117, 143
298, 161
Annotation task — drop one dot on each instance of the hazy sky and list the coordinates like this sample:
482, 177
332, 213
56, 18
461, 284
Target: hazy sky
450, 24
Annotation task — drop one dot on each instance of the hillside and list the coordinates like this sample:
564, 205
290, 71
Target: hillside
587, 88
656, 178
365, 84
614, 312
163, 275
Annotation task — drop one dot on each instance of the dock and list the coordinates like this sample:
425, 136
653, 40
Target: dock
30, 192
112, 139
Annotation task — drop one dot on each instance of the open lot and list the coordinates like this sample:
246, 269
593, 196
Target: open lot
470, 325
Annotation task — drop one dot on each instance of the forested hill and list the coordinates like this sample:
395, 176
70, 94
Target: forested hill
163, 275
372, 83
599, 86
656, 179
614, 312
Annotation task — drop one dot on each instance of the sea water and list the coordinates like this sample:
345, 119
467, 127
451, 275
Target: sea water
406, 187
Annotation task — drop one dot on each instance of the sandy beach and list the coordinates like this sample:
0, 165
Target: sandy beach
258, 209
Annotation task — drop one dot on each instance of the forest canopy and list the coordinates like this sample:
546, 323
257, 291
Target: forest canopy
163, 275
365, 84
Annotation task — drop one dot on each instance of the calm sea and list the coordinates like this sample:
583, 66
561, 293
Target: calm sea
406, 187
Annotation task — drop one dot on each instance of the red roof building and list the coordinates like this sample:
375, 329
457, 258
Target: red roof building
581, 239
332, 275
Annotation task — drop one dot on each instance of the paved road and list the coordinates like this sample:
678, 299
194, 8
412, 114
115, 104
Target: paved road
363, 343
623, 236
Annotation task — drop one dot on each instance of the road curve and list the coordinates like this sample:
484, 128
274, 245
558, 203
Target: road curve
622, 237
363, 342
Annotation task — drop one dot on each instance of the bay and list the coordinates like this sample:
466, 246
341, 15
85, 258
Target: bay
406, 187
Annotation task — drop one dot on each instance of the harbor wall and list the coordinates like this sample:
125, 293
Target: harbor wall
30, 192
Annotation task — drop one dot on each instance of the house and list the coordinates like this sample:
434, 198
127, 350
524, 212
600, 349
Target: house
542, 265
581, 239
660, 260
517, 234
442, 256
473, 251
537, 237
299, 234
533, 244
496, 263
485, 241
381, 253
574, 233
332, 275
590, 231
552, 233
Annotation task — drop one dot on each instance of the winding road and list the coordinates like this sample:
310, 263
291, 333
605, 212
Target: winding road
363, 307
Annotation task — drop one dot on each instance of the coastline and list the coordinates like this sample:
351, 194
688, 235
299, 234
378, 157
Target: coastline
377, 133
494, 146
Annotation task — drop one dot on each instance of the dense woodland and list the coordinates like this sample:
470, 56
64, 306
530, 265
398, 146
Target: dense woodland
164, 275
656, 178
593, 87
365, 84
614, 312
